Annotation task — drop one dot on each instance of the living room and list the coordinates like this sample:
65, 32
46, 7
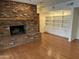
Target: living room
37, 29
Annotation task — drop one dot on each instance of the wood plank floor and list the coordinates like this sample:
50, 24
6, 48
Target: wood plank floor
49, 47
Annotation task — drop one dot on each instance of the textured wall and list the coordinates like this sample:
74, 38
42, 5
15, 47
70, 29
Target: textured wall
17, 9
8, 41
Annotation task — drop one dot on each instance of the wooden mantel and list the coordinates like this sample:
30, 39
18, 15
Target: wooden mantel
17, 18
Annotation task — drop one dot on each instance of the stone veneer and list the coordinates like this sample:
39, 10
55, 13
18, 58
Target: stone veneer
16, 9
16, 13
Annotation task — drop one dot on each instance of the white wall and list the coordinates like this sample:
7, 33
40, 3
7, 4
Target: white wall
62, 6
42, 22
75, 28
78, 29
42, 14
77, 37
74, 31
74, 24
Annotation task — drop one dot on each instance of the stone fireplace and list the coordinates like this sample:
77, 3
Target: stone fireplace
19, 23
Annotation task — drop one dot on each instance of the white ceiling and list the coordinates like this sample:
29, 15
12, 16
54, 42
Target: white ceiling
42, 2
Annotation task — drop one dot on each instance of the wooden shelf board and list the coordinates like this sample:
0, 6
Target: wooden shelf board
18, 18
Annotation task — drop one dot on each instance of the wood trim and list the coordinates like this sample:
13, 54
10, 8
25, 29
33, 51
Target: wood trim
56, 35
38, 23
16, 18
76, 39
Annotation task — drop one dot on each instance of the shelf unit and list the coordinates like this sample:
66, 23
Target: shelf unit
59, 21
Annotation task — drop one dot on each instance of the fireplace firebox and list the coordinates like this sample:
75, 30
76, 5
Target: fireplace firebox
16, 30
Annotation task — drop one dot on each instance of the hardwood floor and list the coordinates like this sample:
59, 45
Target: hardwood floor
49, 47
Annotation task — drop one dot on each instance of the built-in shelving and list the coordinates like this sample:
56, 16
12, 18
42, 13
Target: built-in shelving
59, 22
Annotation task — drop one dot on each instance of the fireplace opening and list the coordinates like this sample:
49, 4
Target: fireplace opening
15, 30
